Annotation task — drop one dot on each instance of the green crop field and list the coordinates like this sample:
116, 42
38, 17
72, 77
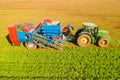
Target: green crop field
74, 62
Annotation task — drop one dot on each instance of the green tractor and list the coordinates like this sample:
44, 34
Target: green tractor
91, 34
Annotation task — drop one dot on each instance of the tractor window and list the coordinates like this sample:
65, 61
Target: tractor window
90, 30
96, 30
83, 26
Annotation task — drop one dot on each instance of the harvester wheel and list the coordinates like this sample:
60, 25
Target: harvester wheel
103, 42
30, 45
83, 40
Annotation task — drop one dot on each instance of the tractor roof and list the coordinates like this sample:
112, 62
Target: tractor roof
88, 24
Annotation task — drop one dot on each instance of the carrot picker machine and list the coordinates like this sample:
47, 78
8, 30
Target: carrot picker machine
47, 33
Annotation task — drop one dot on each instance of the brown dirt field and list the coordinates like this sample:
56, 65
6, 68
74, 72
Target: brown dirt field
68, 5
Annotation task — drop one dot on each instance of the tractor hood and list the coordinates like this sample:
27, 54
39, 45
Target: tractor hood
102, 33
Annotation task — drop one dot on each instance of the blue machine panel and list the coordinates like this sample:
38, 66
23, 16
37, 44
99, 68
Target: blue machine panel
52, 30
21, 36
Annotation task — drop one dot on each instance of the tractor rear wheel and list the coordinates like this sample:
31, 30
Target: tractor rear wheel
30, 45
83, 40
103, 42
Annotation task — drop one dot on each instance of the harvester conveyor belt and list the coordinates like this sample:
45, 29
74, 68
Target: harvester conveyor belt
45, 41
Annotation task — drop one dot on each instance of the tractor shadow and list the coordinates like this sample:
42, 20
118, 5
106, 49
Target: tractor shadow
8, 39
73, 43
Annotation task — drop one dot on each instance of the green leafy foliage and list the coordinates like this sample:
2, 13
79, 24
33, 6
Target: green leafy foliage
71, 63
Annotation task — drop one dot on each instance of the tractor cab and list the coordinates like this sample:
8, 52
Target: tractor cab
91, 28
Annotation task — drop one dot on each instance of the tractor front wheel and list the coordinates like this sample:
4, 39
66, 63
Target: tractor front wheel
103, 42
30, 45
83, 40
